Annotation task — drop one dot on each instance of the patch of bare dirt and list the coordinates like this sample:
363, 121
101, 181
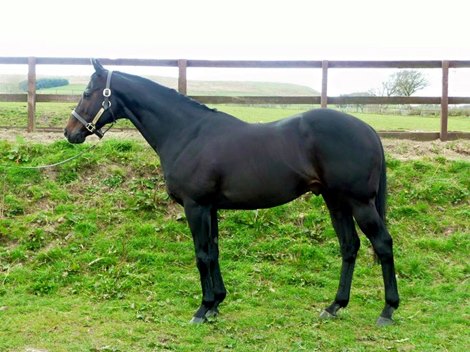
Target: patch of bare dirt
410, 150
397, 148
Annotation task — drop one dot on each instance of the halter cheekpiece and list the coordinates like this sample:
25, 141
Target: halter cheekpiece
105, 105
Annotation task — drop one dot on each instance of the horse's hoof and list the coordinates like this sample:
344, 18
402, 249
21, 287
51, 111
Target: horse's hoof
212, 313
197, 320
382, 321
327, 315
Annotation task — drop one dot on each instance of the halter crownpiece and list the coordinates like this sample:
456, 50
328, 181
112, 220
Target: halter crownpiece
105, 105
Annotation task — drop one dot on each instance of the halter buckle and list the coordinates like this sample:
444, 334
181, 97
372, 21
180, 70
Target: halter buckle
107, 92
90, 127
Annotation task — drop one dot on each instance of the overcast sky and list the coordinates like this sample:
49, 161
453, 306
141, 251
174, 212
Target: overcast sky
246, 29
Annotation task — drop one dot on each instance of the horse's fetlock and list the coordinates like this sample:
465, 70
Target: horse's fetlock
393, 302
220, 296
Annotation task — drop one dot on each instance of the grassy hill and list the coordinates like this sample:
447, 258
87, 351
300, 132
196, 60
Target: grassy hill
94, 256
9, 84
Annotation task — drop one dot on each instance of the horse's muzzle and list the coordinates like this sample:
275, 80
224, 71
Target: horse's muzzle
75, 138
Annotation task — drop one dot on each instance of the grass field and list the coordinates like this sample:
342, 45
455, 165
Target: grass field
378, 121
95, 257
73, 88
10, 84
57, 114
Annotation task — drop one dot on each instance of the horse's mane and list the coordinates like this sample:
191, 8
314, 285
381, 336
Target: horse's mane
169, 92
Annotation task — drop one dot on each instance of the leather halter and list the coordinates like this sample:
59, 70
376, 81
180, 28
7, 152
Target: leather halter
105, 105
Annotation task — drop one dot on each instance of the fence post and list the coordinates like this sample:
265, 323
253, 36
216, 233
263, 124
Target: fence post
182, 81
444, 100
324, 84
31, 94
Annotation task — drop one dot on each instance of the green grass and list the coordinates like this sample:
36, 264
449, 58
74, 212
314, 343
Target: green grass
378, 121
95, 257
47, 114
73, 88
57, 114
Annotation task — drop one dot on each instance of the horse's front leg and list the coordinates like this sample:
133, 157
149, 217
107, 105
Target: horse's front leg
203, 224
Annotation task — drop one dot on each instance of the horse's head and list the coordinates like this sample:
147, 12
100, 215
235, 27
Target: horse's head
94, 108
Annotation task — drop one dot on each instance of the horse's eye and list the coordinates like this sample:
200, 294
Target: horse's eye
86, 94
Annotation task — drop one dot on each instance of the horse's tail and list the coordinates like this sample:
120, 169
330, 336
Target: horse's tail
381, 197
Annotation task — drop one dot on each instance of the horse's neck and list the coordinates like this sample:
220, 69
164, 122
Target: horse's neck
159, 113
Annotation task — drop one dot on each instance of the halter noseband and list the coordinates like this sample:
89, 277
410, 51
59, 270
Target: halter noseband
105, 105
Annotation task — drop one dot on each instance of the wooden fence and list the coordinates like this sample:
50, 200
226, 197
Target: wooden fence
183, 65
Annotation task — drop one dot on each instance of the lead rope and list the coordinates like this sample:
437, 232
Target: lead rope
41, 167
4, 169
48, 166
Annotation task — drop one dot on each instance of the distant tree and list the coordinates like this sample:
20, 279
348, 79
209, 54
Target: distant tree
45, 83
23, 85
390, 87
383, 91
358, 107
404, 83
386, 89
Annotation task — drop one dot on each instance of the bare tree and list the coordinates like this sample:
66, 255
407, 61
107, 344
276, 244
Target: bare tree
390, 88
404, 83
379, 92
386, 89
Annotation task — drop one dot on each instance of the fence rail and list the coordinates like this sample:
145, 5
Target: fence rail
182, 64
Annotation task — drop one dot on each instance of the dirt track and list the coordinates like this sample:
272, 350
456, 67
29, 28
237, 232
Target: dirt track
399, 149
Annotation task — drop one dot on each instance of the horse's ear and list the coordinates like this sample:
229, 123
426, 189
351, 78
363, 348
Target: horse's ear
98, 67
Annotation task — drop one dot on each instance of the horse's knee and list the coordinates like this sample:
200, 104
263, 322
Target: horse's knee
349, 251
203, 262
202, 258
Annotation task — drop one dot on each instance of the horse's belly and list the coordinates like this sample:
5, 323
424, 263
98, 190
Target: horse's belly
258, 202
255, 193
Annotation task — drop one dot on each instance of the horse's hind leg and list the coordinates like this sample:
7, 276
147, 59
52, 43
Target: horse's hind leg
374, 228
218, 283
343, 223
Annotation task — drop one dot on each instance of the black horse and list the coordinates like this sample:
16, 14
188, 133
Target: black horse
212, 160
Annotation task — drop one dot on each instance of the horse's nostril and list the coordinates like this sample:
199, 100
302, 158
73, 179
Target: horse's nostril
65, 132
